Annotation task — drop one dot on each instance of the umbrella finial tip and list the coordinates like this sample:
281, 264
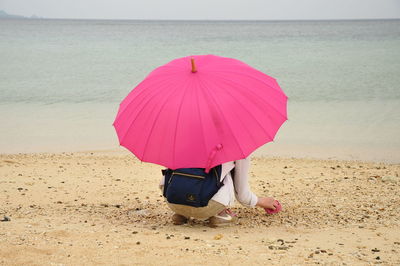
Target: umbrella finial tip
194, 70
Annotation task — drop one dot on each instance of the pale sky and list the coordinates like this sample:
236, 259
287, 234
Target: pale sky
205, 9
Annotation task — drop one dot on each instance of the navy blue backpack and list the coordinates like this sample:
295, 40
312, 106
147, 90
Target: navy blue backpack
191, 186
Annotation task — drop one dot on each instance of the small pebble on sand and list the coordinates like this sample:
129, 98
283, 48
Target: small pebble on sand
5, 219
218, 236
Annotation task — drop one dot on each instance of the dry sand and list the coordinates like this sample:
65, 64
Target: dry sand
105, 208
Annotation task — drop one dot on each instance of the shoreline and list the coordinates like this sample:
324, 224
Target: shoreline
105, 208
66, 127
257, 154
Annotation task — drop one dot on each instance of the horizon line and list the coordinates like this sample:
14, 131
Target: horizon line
199, 20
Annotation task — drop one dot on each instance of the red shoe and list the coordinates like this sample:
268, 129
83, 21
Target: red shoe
224, 218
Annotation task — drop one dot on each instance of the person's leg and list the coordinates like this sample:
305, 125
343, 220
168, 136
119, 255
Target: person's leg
183, 212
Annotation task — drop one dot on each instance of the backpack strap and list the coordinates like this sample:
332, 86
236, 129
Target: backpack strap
167, 176
233, 171
217, 171
164, 171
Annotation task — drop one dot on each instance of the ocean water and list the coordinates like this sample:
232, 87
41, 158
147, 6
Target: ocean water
61, 80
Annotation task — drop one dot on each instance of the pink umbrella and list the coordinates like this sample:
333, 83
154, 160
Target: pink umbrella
200, 111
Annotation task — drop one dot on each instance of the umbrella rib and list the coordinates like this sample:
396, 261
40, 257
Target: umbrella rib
247, 110
237, 84
138, 94
258, 122
143, 107
154, 123
200, 121
176, 123
252, 77
222, 116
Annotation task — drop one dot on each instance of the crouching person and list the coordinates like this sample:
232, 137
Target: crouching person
193, 193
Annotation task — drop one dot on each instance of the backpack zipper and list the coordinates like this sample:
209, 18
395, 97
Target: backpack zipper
195, 176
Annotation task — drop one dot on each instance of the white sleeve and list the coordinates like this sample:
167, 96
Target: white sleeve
241, 183
161, 184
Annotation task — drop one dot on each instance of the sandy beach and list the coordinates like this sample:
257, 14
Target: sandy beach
104, 208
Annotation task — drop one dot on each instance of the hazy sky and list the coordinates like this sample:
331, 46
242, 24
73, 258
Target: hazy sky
205, 9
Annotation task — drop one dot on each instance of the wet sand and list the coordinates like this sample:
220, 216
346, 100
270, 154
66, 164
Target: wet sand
105, 208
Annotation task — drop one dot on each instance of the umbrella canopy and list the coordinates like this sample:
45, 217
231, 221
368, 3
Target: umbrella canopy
200, 111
